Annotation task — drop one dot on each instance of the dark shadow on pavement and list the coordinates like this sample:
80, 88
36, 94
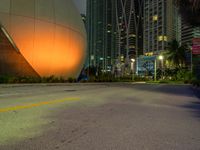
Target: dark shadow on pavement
194, 107
184, 90
196, 92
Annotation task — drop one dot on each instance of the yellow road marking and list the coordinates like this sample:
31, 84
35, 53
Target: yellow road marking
26, 106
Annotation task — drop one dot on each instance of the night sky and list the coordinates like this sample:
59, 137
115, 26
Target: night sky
81, 5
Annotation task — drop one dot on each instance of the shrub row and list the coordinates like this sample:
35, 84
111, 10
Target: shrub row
50, 79
112, 78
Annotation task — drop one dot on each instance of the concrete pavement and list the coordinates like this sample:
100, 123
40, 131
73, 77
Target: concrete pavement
99, 117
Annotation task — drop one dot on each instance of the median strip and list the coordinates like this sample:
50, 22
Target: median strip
27, 106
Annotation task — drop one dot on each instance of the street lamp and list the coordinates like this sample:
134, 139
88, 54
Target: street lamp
132, 60
191, 59
161, 58
133, 67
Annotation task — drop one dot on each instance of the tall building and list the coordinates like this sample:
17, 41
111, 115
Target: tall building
160, 25
101, 34
114, 31
188, 32
129, 27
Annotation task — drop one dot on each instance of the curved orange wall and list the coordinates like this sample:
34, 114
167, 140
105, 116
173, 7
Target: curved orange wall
52, 45
54, 50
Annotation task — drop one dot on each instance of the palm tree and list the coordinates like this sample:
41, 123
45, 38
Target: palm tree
176, 54
190, 11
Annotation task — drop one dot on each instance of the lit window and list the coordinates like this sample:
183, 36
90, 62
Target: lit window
160, 38
149, 54
165, 38
155, 18
122, 58
131, 46
132, 35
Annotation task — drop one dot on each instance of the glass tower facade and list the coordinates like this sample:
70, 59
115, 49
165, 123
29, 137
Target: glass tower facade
101, 34
114, 31
129, 27
188, 32
160, 25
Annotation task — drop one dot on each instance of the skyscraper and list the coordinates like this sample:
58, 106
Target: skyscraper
114, 31
160, 25
188, 32
101, 34
129, 27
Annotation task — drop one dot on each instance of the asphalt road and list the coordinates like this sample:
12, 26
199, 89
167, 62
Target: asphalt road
99, 117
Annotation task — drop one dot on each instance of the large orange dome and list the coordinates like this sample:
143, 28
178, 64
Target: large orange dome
48, 33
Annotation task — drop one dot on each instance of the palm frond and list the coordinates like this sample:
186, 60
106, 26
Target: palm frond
176, 53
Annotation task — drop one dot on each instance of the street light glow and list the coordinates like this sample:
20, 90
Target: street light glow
160, 57
133, 60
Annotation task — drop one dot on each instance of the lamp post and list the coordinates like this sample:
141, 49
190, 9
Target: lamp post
133, 67
191, 59
155, 69
161, 58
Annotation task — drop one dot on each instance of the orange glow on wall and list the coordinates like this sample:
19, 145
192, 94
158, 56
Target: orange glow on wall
54, 53
55, 50
52, 45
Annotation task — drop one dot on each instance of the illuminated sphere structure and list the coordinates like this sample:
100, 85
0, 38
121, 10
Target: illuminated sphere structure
48, 33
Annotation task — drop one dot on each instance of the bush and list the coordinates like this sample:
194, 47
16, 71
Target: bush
185, 75
196, 83
140, 78
71, 80
108, 77
4, 79
50, 79
104, 77
179, 75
